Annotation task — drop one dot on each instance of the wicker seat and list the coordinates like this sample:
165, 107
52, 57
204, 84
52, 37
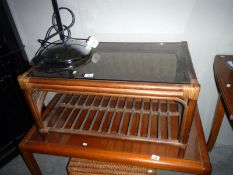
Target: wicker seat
78, 166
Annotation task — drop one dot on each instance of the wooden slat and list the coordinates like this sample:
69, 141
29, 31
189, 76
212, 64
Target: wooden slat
134, 124
89, 119
98, 120
138, 104
90, 100
73, 116
121, 103
105, 101
67, 99
129, 104
94, 120
168, 120
82, 100
116, 122
144, 127
159, 120
80, 119
155, 105
163, 104
139, 124
55, 117
125, 123
174, 127
173, 106
116, 117
74, 99
164, 127
63, 118
107, 121
146, 105
111, 121
113, 102
98, 100
154, 126
130, 123
76, 118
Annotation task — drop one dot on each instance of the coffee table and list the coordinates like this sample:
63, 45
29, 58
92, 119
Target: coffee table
129, 102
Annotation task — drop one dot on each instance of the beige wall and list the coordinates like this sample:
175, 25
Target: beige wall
207, 25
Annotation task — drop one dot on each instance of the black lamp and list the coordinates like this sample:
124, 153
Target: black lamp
58, 19
66, 53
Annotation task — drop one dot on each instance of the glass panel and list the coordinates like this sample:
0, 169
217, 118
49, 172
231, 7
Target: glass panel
144, 62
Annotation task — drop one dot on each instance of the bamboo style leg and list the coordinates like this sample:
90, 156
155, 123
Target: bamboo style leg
205, 173
186, 126
36, 113
217, 121
31, 162
34, 109
209, 173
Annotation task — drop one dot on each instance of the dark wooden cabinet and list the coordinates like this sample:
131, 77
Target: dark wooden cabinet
15, 116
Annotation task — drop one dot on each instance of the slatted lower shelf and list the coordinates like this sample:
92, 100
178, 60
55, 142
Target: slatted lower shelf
115, 117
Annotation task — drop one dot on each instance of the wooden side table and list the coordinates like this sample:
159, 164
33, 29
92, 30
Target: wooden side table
223, 72
131, 102
195, 160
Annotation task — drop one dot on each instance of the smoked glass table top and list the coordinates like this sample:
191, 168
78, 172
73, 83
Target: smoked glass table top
140, 62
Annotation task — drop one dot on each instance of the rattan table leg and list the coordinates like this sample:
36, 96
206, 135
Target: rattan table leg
205, 173
31, 162
218, 117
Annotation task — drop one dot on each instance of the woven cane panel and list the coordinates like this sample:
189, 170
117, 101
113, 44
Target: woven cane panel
83, 167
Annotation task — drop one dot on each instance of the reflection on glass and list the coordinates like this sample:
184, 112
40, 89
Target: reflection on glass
144, 62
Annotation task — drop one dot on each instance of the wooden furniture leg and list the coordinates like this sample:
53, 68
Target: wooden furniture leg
217, 121
205, 173
31, 162
186, 126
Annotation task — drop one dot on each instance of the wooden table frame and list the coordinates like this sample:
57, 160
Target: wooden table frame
178, 154
30, 145
35, 90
